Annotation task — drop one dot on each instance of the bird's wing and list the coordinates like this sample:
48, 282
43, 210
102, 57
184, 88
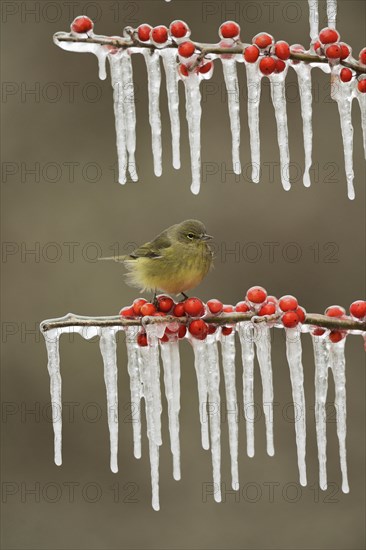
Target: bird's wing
152, 249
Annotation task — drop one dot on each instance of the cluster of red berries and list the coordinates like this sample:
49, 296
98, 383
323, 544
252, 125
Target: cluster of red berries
357, 311
329, 45
273, 54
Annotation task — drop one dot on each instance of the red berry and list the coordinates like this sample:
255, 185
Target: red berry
172, 328
198, 328
182, 331
183, 69
225, 331
290, 319
178, 29
318, 48
335, 311
345, 50
229, 29
345, 74
262, 40
206, 68
318, 331
160, 34
280, 66
256, 295
328, 36
165, 303
194, 307
288, 303
358, 309
242, 307
143, 32
148, 309
362, 86
158, 314
267, 309
127, 312
301, 313
362, 56
142, 339
178, 310
212, 328
186, 49
228, 308
333, 51
336, 336
82, 24
137, 304
164, 338
267, 65
282, 50
251, 54
215, 306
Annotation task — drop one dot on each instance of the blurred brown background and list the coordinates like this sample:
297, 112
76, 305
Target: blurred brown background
58, 121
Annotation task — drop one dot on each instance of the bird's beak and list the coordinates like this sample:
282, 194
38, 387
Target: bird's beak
206, 237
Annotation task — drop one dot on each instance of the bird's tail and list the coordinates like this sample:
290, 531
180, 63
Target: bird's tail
120, 259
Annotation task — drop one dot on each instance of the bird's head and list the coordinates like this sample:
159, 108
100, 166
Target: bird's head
191, 232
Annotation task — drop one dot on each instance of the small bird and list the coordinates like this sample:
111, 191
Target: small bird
175, 261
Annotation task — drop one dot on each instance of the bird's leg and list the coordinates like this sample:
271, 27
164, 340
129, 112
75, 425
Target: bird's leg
155, 300
185, 297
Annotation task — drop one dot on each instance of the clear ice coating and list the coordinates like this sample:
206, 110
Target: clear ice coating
294, 359
154, 80
362, 103
52, 339
263, 344
133, 367
328, 355
232, 89
200, 360
119, 116
343, 94
245, 331
306, 98
278, 95
171, 366
193, 115
129, 111
228, 366
107, 345
314, 19
254, 78
214, 404
101, 52
332, 13
172, 79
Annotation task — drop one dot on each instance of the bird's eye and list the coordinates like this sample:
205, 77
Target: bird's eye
190, 236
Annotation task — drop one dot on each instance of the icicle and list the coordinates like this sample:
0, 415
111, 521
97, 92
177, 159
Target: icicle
171, 75
332, 13
254, 78
342, 93
52, 339
321, 358
362, 103
247, 353
278, 95
213, 377
232, 88
338, 366
101, 52
294, 353
152, 363
303, 71
263, 344
147, 358
129, 111
154, 80
171, 366
135, 387
107, 345
200, 360
118, 101
228, 365
314, 19
193, 114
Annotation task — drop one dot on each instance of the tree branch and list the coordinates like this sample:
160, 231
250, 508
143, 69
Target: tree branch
204, 49
313, 319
